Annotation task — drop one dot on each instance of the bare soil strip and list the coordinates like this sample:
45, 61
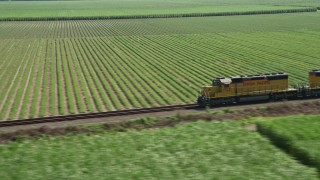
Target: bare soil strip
22, 65
26, 86
8, 53
85, 59
146, 80
48, 79
6, 70
81, 75
33, 86
114, 86
54, 101
41, 81
70, 86
164, 119
79, 101
62, 94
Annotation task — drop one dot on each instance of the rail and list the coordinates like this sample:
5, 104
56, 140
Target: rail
95, 115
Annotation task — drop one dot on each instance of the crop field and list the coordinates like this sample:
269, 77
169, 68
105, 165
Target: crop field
299, 135
224, 150
107, 8
66, 67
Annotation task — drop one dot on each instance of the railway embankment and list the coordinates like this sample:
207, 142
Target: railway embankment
8, 134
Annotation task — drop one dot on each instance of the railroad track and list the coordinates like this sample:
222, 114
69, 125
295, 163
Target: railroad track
33, 121
95, 115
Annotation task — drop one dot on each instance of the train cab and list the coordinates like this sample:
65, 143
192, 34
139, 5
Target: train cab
314, 79
243, 88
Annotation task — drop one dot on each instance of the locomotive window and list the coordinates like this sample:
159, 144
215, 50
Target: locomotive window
216, 83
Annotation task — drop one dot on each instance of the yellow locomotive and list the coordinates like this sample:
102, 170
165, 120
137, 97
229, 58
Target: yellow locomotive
314, 79
273, 86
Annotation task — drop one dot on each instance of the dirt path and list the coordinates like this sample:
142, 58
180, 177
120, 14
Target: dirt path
249, 110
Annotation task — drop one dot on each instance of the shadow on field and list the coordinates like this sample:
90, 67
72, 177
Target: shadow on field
288, 147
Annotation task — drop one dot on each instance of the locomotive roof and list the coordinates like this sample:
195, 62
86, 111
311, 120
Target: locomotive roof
226, 81
271, 76
238, 79
315, 72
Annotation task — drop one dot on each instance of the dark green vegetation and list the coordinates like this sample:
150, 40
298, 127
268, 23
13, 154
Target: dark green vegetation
299, 136
199, 150
169, 147
86, 9
63, 67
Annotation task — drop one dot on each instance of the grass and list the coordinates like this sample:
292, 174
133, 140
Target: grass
198, 150
132, 8
90, 66
298, 135
174, 26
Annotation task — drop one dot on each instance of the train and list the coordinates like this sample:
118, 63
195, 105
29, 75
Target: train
272, 86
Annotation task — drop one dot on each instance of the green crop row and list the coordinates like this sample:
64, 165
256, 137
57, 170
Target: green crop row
132, 27
199, 150
99, 94
22, 109
312, 9
120, 79
15, 83
93, 96
44, 101
111, 9
299, 136
92, 66
82, 94
107, 73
